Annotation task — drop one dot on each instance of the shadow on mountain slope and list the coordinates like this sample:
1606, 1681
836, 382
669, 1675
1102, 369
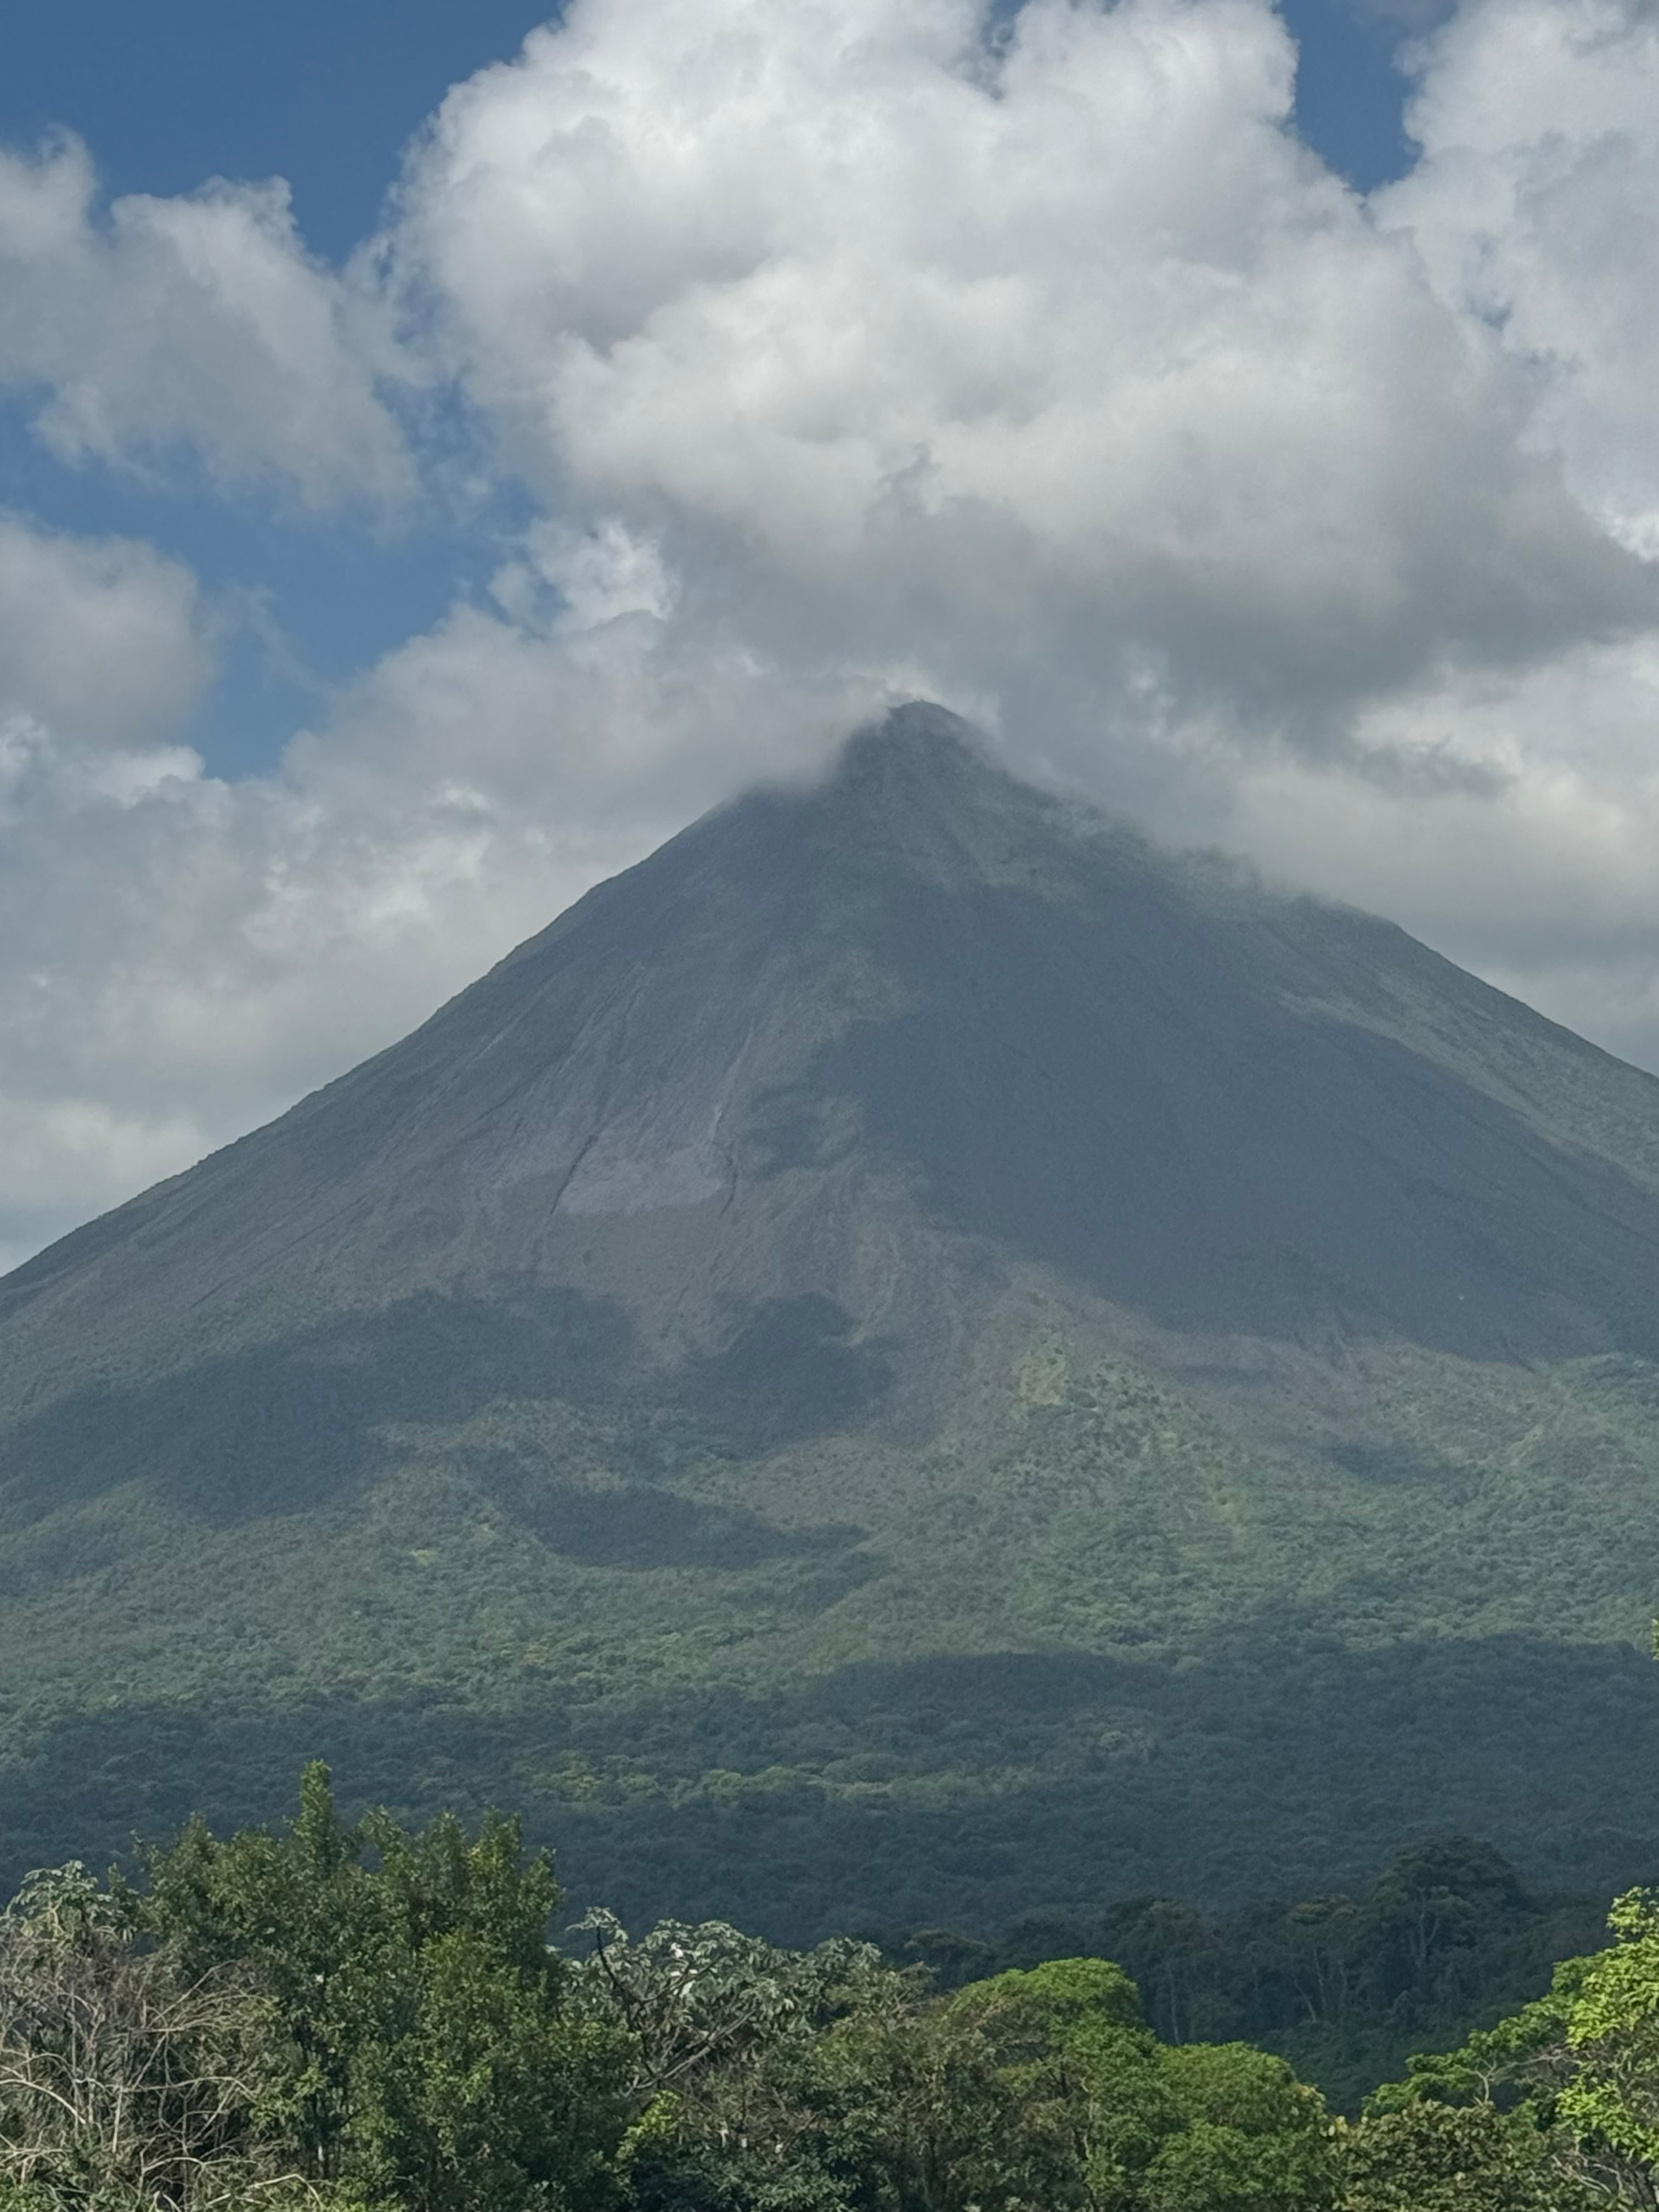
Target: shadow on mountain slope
642, 1526
946, 1791
279, 1428
1099, 1084
789, 1372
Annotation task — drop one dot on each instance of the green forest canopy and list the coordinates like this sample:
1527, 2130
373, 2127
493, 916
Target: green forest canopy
369, 2018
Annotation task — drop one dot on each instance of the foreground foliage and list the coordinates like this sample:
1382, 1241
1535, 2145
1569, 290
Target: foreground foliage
1345, 1987
365, 2018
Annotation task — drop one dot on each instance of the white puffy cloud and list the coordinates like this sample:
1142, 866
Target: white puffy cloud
848, 352
158, 327
1534, 207
1056, 370
102, 639
1512, 819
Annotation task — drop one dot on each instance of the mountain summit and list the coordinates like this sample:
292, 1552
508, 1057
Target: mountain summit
911, 1307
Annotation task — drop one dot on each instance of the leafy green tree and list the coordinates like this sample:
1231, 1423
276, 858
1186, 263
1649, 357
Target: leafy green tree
1325, 1940
1167, 1949
699, 2003
1149, 2128
1250, 2137
1439, 1897
1068, 2038
916, 2114
1523, 2060
720, 2029
1570, 2081
1429, 2157
1611, 2097
429, 2050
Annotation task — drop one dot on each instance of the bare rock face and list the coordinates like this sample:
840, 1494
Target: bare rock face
800, 1176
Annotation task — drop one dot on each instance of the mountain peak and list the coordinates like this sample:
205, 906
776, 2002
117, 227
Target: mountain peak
922, 756
918, 742
920, 789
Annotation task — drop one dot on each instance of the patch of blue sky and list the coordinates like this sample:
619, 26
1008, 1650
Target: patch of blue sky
297, 604
1349, 90
326, 93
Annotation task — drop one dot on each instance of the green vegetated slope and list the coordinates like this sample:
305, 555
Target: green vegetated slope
910, 1357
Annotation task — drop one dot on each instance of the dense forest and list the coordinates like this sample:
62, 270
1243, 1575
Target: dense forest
358, 2016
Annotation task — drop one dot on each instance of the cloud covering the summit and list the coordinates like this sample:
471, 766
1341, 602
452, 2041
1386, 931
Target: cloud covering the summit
826, 354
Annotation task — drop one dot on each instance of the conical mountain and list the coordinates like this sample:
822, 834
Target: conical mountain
911, 1355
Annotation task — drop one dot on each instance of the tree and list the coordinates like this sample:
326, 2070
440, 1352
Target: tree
1149, 2128
1439, 1897
1068, 2038
1323, 1938
1428, 2157
428, 2048
124, 2080
1167, 1950
720, 2028
1571, 2081
916, 2114
816, 2081
1250, 2137
699, 2001
1610, 2098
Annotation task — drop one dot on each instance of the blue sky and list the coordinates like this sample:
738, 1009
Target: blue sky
327, 97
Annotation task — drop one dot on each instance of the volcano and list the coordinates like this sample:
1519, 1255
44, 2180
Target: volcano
911, 1356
